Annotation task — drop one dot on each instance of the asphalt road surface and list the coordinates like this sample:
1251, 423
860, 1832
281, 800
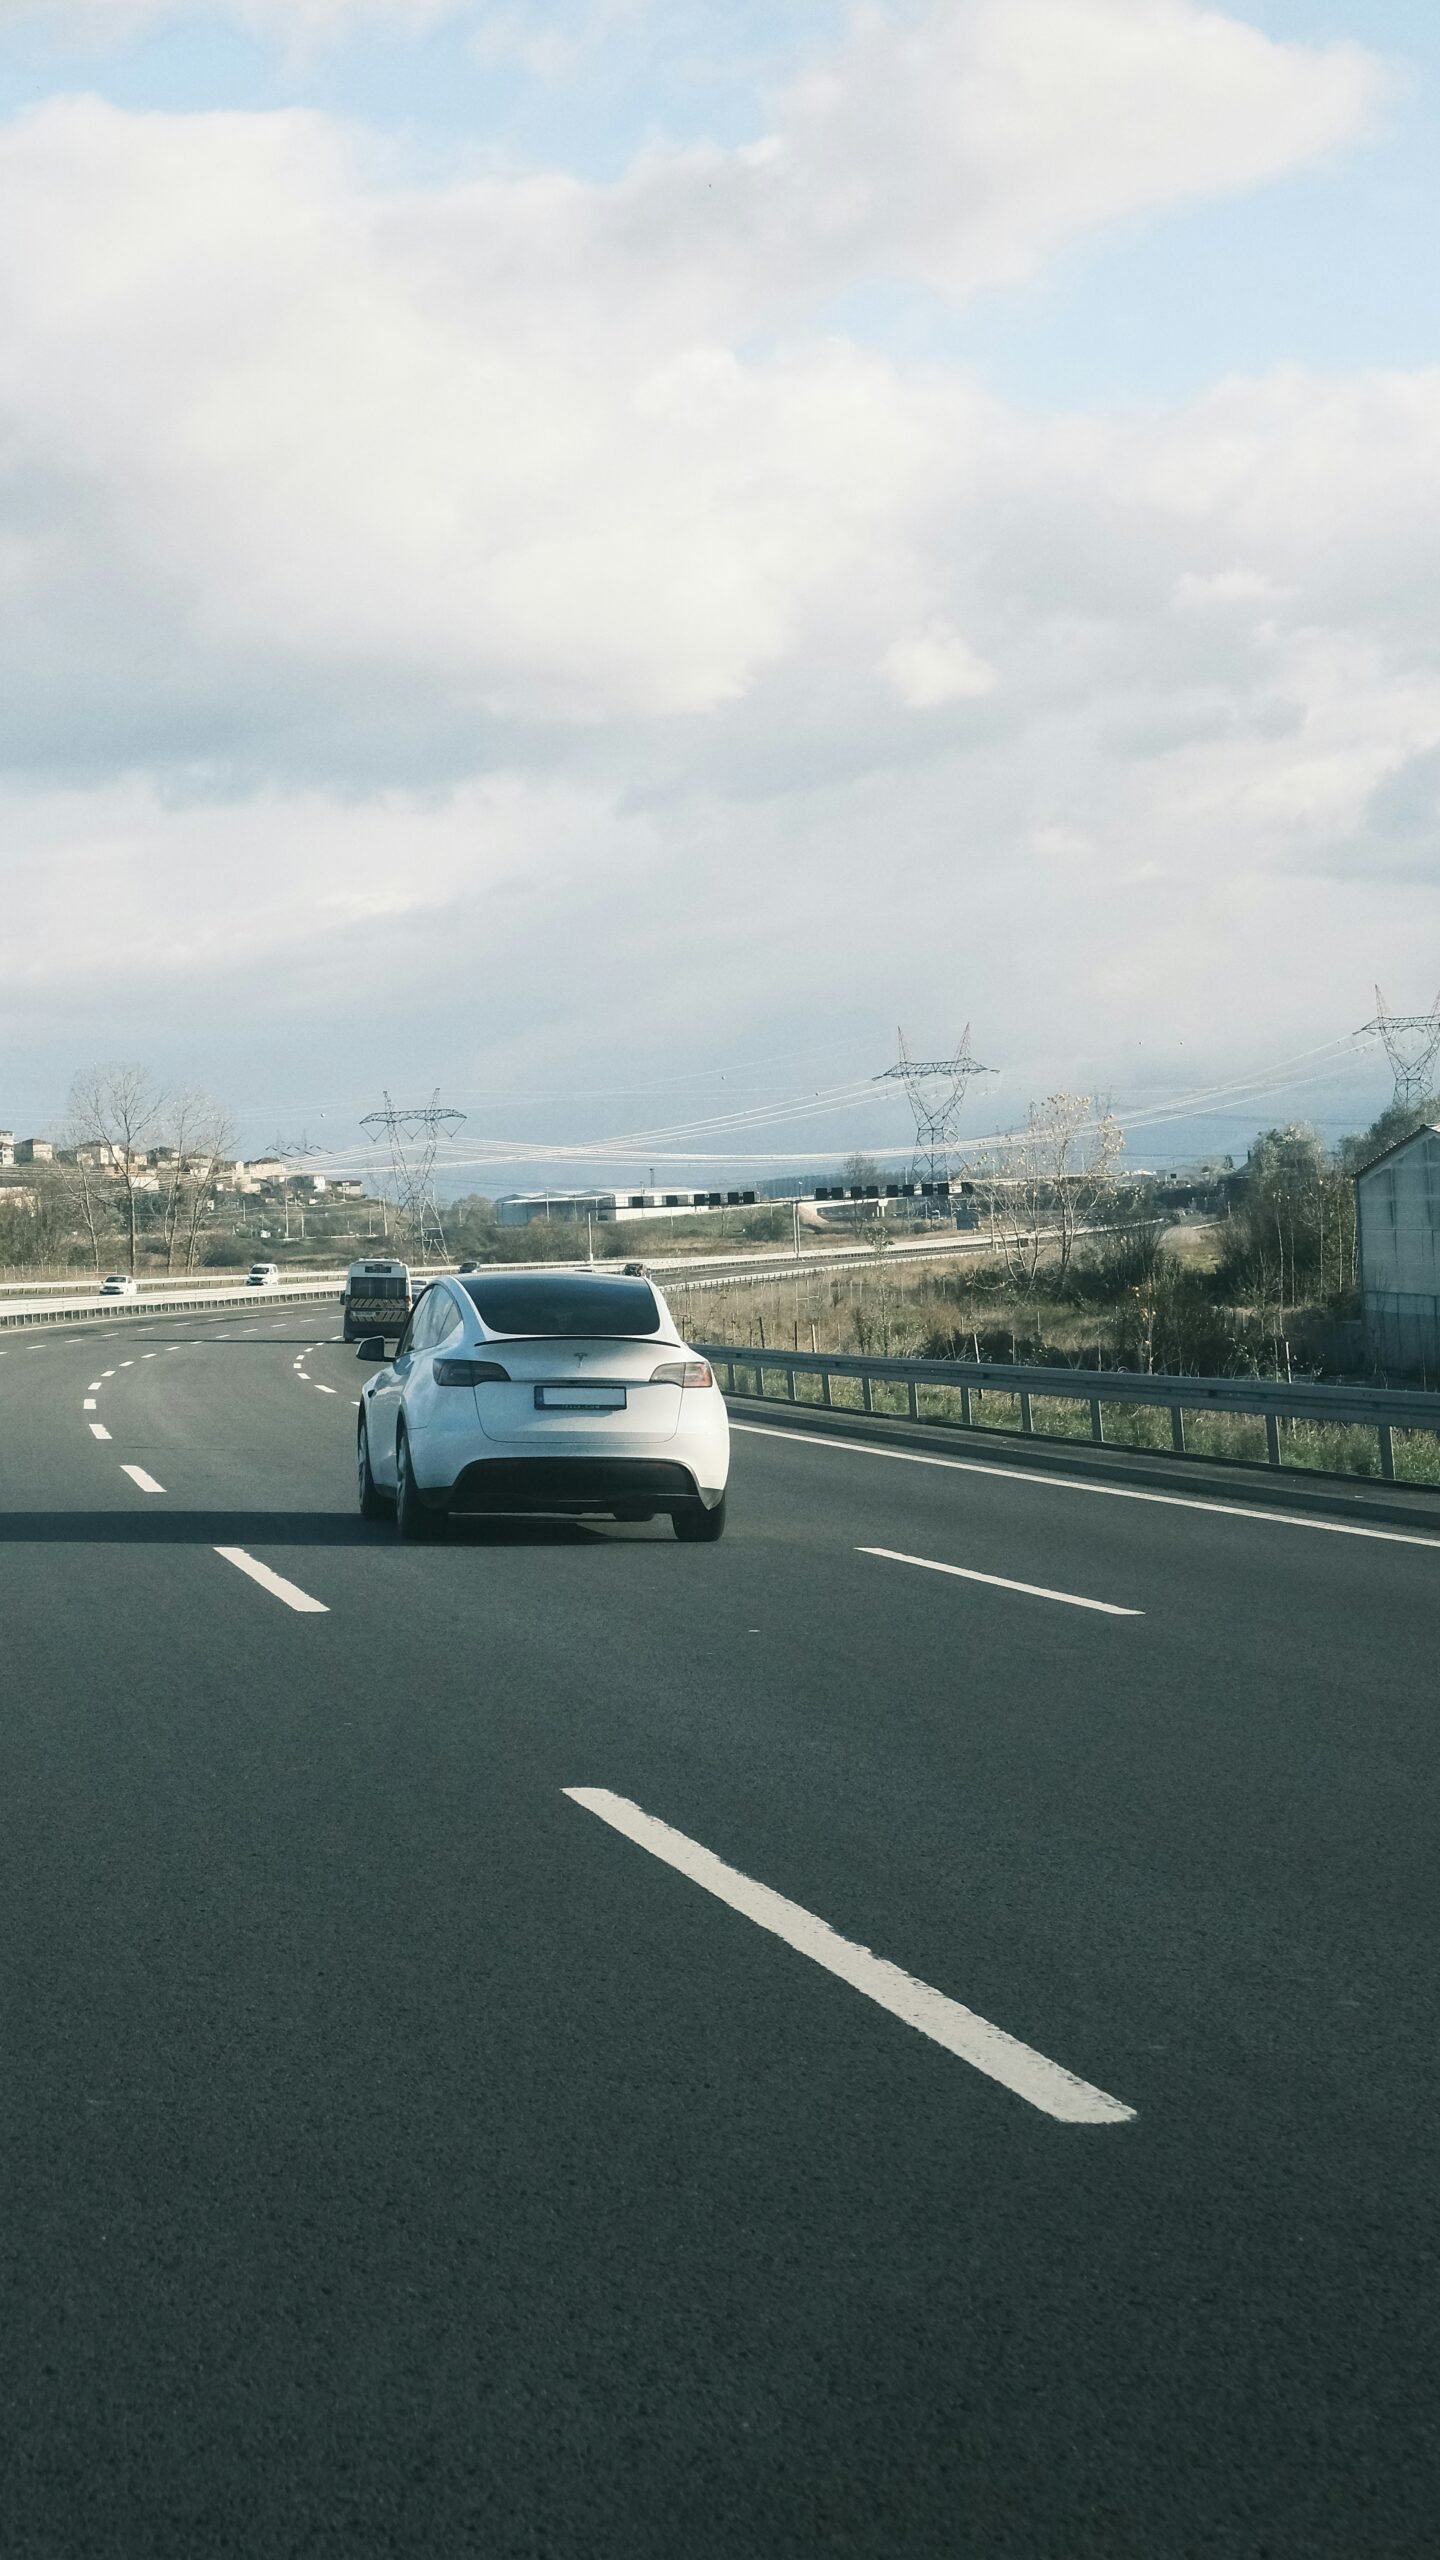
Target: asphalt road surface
402, 2154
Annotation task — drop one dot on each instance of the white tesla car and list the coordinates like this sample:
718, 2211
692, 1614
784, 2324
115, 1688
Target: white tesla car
561, 1392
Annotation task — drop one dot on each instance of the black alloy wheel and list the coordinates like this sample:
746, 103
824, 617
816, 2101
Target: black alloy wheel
697, 1527
415, 1520
374, 1505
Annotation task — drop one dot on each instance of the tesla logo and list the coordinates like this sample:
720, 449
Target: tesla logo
579, 1356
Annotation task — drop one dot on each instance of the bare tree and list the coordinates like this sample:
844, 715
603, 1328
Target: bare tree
88, 1194
1043, 1185
197, 1137
211, 1146
116, 1111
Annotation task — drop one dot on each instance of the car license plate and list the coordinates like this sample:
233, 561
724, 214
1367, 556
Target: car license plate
581, 1399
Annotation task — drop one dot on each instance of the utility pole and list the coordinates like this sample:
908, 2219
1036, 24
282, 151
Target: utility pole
414, 1137
1412, 1044
935, 1089
303, 1147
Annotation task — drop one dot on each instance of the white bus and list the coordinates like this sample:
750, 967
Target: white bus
378, 1298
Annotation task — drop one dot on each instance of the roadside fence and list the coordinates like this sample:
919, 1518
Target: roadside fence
1392, 1433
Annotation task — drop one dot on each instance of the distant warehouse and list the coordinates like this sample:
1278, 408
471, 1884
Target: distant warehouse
522, 1208
1397, 1208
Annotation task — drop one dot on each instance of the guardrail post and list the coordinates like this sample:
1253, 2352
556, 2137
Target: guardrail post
1025, 1422
965, 1407
914, 1401
1097, 1420
825, 1395
1387, 1453
1177, 1429
867, 1395
790, 1384
1272, 1440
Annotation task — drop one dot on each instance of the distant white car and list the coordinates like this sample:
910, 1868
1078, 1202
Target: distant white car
263, 1275
119, 1284
562, 1392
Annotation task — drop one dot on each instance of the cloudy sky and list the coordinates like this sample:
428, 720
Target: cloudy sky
602, 553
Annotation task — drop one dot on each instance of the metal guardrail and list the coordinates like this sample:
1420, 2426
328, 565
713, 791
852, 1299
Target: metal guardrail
84, 1310
1384, 1410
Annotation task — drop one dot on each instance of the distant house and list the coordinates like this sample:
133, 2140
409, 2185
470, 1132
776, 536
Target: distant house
1397, 1217
34, 1151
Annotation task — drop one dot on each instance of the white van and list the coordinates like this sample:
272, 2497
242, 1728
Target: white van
378, 1298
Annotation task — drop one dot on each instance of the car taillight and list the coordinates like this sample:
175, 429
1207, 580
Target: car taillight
682, 1373
469, 1373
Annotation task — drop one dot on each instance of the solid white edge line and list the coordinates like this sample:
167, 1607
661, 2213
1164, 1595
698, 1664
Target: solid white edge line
147, 1484
1001, 1582
98, 1431
275, 1583
971, 2038
1038, 1479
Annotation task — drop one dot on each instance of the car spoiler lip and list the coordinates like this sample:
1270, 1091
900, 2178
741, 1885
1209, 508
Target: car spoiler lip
590, 1335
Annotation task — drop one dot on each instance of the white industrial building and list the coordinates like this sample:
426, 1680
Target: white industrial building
522, 1208
1397, 1214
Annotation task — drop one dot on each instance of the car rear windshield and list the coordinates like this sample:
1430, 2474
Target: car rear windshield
570, 1302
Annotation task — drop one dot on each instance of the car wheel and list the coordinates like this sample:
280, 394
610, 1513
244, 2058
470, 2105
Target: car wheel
374, 1505
414, 1519
695, 1526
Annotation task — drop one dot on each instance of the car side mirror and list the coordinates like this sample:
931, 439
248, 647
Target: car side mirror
372, 1348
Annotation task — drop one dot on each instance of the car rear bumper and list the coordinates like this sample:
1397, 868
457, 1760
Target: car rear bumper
571, 1486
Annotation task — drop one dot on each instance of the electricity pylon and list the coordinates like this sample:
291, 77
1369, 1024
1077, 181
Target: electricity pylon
413, 1138
285, 1149
935, 1089
1412, 1044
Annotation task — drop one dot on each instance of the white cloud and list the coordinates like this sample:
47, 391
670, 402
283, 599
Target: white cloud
414, 582
966, 142
935, 666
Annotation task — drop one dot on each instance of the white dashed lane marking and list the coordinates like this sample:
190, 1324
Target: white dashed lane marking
274, 1583
963, 2032
137, 1476
1001, 1582
99, 1431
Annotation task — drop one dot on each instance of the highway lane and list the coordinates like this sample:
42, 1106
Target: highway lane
399, 2160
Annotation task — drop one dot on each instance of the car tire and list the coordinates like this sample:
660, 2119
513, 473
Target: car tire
414, 1519
374, 1505
697, 1527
